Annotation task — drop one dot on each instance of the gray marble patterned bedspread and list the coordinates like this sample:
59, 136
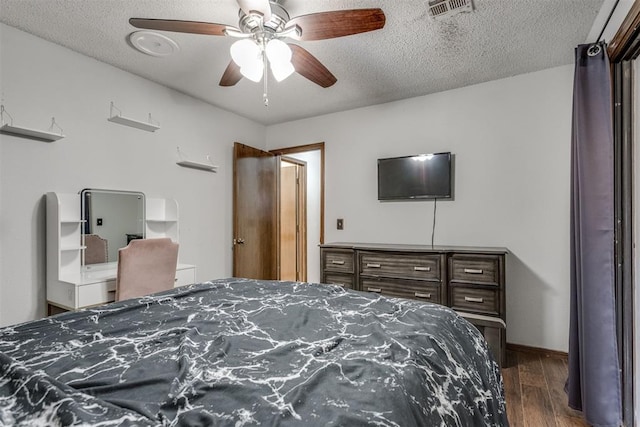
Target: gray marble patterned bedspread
238, 352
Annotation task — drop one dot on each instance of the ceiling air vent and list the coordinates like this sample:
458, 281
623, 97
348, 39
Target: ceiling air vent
440, 9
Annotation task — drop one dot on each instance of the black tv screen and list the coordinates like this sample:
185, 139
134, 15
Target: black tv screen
423, 176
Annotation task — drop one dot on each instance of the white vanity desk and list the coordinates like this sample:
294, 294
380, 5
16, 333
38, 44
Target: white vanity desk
98, 282
71, 285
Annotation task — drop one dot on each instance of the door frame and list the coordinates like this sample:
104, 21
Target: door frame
301, 218
623, 50
303, 149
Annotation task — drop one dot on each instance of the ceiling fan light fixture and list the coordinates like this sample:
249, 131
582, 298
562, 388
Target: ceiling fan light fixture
279, 56
245, 52
263, 22
248, 56
281, 71
278, 51
253, 71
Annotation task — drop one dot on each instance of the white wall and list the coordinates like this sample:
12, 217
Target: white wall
41, 80
511, 141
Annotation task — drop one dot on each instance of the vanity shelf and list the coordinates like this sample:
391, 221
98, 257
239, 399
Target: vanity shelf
72, 248
149, 126
162, 218
40, 135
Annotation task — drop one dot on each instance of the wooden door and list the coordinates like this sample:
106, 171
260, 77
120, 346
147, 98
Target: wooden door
255, 213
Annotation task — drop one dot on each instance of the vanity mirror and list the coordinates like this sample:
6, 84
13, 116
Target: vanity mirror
111, 219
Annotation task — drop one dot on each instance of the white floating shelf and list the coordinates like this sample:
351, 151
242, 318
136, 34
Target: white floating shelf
40, 135
30, 133
149, 126
198, 165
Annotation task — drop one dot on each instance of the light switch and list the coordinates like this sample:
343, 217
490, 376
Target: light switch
340, 224
99, 221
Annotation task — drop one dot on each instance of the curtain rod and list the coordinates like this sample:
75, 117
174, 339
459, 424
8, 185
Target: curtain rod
608, 19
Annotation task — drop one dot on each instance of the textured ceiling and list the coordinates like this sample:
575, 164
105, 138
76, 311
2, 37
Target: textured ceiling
412, 55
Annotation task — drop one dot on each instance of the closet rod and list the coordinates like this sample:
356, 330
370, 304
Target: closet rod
604, 27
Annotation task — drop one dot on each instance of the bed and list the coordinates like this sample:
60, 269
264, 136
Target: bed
240, 352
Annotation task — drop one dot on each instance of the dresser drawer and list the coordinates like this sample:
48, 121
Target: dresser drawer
96, 293
340, 279
337, 260
475, 299
414, 266
484, 269
397, 288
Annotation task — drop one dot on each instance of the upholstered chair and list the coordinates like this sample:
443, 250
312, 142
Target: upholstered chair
146, 266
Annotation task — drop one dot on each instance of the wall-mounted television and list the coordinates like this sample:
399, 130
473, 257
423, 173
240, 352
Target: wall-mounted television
422, 176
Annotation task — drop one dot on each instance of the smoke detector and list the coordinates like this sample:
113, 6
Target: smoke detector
440, 9
154, 44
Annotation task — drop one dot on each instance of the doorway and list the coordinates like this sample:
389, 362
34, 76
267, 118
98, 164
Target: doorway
257, 209
293, 220
313, 155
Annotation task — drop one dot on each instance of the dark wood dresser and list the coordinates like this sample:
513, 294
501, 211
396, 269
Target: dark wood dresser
471, 280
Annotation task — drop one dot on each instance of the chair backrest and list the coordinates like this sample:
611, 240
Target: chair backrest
146, 266
96, 249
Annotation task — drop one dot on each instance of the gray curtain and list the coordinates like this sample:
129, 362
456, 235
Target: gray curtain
594, 377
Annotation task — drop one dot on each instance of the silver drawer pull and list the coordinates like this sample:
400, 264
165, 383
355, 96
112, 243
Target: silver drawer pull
378, 290
333, 261
421, 295
473, 299
421, 268
373, 265
473, 271
339, 284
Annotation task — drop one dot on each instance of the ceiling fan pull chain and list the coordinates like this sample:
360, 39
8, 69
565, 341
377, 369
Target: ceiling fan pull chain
265, 97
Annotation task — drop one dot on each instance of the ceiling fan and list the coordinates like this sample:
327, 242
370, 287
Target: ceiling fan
262, 26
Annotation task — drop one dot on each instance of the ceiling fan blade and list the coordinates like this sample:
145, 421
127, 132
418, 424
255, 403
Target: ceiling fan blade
231, 75
193, 27
338, 23
261, 6
308, 66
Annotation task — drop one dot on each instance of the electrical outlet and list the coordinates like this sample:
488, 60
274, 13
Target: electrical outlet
340, 224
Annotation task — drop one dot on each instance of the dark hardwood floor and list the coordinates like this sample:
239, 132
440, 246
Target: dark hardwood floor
534, 388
